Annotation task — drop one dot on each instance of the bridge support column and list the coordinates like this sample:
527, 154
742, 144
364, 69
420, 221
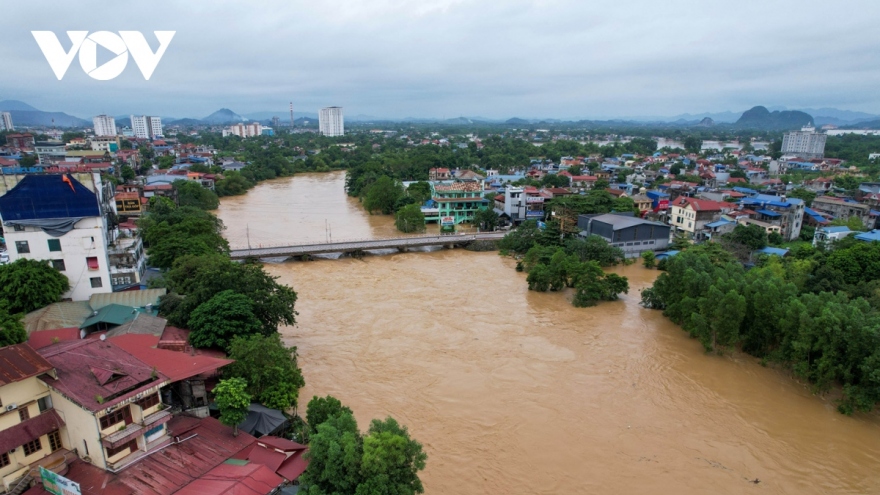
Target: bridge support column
403, 249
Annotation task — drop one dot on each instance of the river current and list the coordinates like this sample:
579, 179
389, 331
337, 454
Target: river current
512, 391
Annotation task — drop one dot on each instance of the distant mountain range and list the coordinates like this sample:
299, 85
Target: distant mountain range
771, 117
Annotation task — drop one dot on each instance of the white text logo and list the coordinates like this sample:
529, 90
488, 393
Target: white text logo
87, 45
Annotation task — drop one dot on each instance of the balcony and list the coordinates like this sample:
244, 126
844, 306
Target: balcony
534, 199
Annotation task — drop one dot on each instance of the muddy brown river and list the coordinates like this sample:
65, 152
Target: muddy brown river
512, 391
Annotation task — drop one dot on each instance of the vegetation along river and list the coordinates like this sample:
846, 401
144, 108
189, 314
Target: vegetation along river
512, 391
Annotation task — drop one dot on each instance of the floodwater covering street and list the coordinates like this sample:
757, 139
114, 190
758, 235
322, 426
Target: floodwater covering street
512, 391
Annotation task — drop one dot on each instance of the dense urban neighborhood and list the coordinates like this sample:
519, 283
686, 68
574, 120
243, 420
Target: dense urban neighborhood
140, 358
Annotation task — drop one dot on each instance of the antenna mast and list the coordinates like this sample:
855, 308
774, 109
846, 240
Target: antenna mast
291, 115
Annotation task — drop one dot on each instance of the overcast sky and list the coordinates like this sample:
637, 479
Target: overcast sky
448, 58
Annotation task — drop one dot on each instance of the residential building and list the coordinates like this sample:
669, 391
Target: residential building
872, 236
523, 203
458, 201
6, 122
244, 130
110, 144
105, 125
844, 209
785, 213
438, 174
691, 215
50, 152
330, 121
20, 141
109, 399
769, 228
631, 234
31, 431
826, 235
57, 219
146, 127
806, 143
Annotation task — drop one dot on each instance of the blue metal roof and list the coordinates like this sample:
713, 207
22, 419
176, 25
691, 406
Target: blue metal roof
769, 213
745, 190
773, 251
719, 223
836, 229
872, 236
48, 196
667, 254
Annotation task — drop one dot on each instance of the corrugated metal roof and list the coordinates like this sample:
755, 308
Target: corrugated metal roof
58, 315
235, 479
134, 298
20, 361
29, 429
43, 338
114, 314
175, 365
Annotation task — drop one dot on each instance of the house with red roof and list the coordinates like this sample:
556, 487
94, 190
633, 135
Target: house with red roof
282, 456
691, 214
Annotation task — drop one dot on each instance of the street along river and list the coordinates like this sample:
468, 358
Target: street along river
512, 391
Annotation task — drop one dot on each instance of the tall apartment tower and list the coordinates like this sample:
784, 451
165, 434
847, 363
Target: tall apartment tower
104, 125
806, 143
330, 121
6, 121
145, 127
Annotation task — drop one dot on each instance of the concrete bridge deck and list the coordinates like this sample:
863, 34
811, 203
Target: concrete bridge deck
401, 243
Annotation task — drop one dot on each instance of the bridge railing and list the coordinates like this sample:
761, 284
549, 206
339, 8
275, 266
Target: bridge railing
414, 238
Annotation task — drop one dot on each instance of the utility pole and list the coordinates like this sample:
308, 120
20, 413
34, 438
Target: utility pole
248, 231
291, 116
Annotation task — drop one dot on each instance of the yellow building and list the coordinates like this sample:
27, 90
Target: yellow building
32, 433
109, 400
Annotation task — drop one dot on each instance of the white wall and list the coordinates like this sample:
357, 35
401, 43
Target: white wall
85, 240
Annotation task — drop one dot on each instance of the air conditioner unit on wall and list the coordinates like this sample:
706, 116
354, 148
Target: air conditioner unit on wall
11, 407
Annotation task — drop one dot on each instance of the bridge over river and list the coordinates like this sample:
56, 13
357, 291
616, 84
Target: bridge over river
399, 243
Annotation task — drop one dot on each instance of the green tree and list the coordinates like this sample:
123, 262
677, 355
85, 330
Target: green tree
335, 453
601, 184
127, 173
775, 239
853, 223
383, 195
804, 194
320, 409
269, 367
196, 279
391, 460
419, 191
410, 219
171, 232
752, 236
191, 193
11, 327
27, 285
522, 239
166, 162
217, 321
233, 402
693, 144
486, 219
649, 259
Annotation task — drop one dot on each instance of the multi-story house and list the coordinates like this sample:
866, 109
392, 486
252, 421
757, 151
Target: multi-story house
20, 141
109, 400
50, 152
458, 201
57, 219
523, 203
785, 213
844, 209
32, 434
691, 215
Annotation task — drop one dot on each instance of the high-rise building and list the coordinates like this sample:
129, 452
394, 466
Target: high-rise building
244, 130
806, 143
330, 121
6, 121
104, 125
145, 127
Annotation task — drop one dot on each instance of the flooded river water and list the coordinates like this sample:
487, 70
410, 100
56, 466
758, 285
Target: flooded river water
512, 391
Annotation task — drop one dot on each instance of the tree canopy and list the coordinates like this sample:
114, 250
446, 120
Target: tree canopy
27, 285
233, 402
410, 219
217, 321
269, 368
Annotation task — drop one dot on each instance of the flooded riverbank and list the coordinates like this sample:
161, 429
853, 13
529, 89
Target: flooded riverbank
512, 391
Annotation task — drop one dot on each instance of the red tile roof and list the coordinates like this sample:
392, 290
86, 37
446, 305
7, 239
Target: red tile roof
43, 338
30, 429
280, 443
702, 204
173, 364
581, 178
736, 180
81, 364
21, 361
234, 479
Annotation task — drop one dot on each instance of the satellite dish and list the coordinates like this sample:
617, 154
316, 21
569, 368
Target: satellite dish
103, 337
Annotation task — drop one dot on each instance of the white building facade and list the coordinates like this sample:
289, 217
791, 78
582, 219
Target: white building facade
806, 143
330, 121
6, 122
105, 125
244, 130
146, 127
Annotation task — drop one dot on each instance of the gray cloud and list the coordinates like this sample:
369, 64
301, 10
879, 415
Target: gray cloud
398, 58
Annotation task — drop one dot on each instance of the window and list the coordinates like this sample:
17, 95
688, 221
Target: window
18, 228
45, 403
92, 261
32, 447
149, 401
23, 414
96, 282
54, 440
4, 460
58, 265
54, 244
116, 416
22, 247
128, 446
